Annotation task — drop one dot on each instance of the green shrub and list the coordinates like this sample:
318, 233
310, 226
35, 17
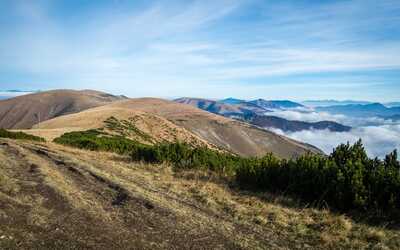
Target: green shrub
95, 140
19, 135
183, 156
346, 179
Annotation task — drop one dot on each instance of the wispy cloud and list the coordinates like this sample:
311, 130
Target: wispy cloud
191, 46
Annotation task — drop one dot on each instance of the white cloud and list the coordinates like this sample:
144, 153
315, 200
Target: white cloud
378, 140
169, 45
313, 116
13, 93
378, 135
307, 116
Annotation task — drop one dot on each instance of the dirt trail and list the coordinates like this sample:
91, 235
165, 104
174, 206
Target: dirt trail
57, 198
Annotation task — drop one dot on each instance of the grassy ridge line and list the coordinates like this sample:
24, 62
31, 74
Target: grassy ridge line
19, 135
347, 179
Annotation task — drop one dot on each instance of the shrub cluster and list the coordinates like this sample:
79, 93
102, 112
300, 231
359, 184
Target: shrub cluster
181, 155
96, 140
19, 135
184, 156
346, 179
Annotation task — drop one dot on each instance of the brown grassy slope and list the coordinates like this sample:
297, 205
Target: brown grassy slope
209, 105
156, 127
19, 112
54, 197
235, 136
225, 133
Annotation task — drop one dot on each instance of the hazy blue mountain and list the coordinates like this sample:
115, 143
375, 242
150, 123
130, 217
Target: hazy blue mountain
392, 104
218, 107
231, 100
276, 104
360, 110
294, 126
324, 103
251, 113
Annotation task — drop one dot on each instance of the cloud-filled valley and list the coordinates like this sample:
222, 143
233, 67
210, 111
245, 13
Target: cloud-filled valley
379, 136
310, 115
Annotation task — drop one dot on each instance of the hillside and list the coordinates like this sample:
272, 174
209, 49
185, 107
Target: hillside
55, 197
145, 127
23, 111
190, 122
254, 112
228, 107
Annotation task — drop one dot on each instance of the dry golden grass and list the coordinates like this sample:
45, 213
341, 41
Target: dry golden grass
73, 190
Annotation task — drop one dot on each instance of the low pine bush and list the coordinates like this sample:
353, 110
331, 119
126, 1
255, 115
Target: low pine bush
346, 179
19, 135
95, 140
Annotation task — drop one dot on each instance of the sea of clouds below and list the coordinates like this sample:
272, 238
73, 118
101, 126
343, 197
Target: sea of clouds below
379, 136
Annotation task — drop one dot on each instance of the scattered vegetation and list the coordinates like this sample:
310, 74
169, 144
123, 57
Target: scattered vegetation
19, 135
345, 180
180, 155
126, 128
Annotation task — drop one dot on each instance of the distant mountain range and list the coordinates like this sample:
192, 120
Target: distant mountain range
231, 100
255, 112
324, 103
392, 104
295, 126
361, 110
276, 104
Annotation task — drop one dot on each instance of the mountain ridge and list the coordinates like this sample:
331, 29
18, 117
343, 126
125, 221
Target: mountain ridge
252, 113
361, 110
24, 111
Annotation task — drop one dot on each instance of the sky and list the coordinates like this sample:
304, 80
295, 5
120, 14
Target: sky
247, 49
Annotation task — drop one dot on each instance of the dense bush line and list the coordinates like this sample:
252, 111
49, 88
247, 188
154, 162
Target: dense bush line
96, 140
346, 179
19, 135
179, 154
183, 156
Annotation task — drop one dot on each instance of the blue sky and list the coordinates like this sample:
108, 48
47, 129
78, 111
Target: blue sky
248, 49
